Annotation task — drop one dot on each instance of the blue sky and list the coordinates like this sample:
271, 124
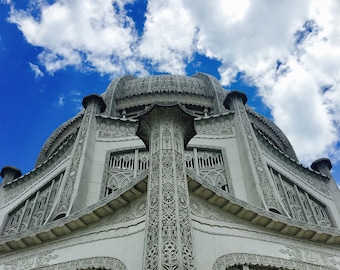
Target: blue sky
284, 55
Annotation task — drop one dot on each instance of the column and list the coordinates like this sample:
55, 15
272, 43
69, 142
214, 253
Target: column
256, 172
69, 195
324, 166
168, 240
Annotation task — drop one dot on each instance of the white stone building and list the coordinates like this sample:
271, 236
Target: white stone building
169, 172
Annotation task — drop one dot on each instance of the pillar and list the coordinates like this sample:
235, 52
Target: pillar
256, 173
71, 194
168, 239
324, 166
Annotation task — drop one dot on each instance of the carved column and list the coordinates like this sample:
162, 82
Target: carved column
250, 151
324, 166
168, 241
77, 169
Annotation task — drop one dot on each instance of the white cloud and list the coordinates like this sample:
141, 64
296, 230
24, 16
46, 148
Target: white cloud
37, 72
289, 60
290, 50
91, 34
169, 34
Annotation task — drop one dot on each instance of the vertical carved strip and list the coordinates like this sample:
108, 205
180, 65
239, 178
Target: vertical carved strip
93, 104
169, 233
236, 100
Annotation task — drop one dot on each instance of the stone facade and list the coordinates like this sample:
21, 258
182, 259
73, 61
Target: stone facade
169, 172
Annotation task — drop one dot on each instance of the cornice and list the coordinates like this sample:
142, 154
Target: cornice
291, 160
260, 216
77, 220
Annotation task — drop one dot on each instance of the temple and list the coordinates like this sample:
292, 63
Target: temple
169, 172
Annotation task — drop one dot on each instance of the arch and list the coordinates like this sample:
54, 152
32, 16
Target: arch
91, 263
238, 260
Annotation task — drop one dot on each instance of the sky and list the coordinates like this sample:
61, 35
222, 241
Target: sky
285, 55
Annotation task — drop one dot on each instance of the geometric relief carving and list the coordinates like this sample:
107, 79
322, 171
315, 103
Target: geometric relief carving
328, 261
201, 208
312, 179
87, 263
210, 166
215, 126
30, 262
33, 212
299, 203
132, 211
246, 261
109, 128
123, 167
168, 236
270, 199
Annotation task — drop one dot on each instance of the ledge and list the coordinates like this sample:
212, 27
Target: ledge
260, 216
77, 220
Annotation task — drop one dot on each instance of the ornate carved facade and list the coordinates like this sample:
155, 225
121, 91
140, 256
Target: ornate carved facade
169, 172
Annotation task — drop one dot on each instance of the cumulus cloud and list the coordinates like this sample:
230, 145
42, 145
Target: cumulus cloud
168, 39
288, 50
91, 34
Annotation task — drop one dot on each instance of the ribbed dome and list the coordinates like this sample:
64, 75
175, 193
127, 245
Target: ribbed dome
201, 95
200, 90
164, 84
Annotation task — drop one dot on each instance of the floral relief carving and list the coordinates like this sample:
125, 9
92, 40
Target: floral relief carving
33, 212
299, 203
31, 262
302, 174
202, 209
222, 125
87, 263
110, 128
132, 211
169, 233
262, 262
211, 166
312, 256
267, 191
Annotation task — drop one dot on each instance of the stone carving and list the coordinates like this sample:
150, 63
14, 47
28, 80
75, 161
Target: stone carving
168, 232
87, 263
272, 132
215, 126
310, 178
268, 194
169, 99
210, 166
261, 262
122, 167
299, 203
31, 262
308, 255
202, 209
132, 211
67, 186
33, 212
109, 128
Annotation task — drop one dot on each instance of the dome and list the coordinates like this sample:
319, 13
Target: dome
201, 95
